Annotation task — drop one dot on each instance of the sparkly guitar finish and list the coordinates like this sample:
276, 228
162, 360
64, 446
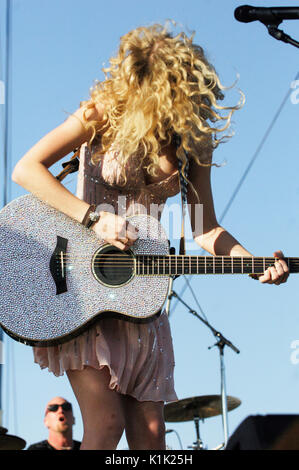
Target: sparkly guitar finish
56, 276
52, 280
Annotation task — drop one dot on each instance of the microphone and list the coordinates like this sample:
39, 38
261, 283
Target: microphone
268, 16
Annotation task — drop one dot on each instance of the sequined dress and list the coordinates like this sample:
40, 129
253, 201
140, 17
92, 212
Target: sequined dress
139, 355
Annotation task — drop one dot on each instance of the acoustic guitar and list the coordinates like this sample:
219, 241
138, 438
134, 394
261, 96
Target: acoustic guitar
56, 276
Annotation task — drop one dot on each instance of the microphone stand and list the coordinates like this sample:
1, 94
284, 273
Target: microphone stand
281, 35
169, 296
170, 291
221, 343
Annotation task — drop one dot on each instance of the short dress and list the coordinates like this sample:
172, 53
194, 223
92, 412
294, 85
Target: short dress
139, 356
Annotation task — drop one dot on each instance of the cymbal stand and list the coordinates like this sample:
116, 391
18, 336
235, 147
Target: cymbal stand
221, 343
197, 445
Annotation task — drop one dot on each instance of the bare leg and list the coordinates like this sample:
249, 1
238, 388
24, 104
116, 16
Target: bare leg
101, 408
145, 428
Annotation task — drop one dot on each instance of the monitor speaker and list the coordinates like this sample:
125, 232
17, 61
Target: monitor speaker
269, 432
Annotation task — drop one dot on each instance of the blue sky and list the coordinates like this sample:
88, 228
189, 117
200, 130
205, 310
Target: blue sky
58, 49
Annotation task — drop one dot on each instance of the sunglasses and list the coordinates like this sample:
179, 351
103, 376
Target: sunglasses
65, 406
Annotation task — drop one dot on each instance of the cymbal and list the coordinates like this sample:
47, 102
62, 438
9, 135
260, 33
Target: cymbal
202, 407
8, 442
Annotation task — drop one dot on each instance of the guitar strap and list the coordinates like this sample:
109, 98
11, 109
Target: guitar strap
183, 182
72, 166
183, 188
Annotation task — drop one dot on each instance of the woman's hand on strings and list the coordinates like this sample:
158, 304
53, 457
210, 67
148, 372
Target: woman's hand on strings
278, 273
115, 230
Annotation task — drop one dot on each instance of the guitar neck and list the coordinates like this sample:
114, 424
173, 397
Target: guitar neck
173, 265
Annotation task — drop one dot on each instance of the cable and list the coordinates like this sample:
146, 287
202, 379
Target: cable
7, 143
6, 152
4, 171
237, 189
177, 435
1, 72
256, 153
7, 383
14, 387
194, 296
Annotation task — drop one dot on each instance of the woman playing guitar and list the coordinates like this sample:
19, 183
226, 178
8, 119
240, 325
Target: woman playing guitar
157, 86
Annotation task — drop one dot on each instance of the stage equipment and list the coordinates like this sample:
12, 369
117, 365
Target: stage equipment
271, 17
197, 409
269, 432
8, 442
221, 343
266, 15
177, 435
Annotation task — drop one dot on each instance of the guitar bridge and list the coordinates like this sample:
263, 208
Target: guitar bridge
57, 265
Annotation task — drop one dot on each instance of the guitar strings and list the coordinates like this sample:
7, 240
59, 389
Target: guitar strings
167, 263
162, 259
217, 262
186, 260
182, 259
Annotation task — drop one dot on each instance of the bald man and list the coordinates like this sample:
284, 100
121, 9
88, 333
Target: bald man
59, 419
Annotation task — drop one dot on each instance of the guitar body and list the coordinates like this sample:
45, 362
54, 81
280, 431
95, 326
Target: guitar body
44, 303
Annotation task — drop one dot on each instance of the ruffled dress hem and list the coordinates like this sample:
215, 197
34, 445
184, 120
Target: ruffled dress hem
139, 360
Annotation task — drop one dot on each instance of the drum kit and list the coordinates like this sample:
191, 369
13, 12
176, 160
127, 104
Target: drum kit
197, 409
9, 442
189, 409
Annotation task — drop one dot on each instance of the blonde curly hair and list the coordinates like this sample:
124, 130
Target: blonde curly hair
157, 86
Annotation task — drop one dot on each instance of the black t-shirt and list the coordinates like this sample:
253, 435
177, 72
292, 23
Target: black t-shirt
44, 445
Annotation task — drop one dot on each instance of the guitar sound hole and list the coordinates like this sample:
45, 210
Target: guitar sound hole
112, 266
